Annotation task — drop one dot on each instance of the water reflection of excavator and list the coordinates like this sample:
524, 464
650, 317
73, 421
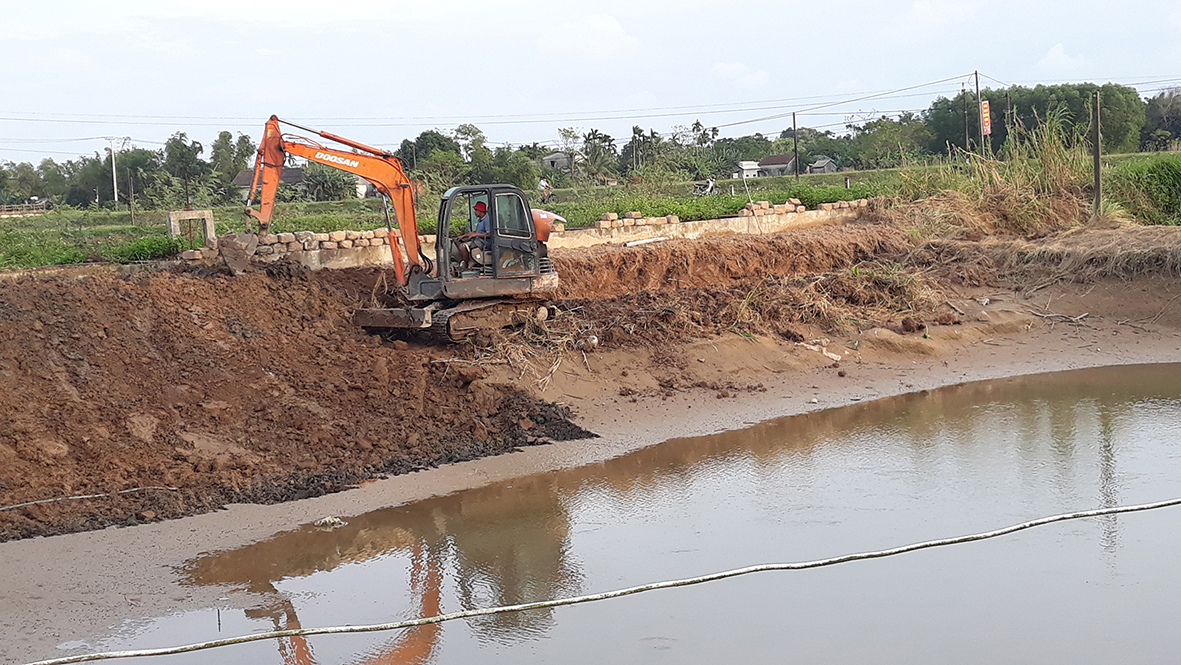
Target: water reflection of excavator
505, 544
413, 647
503, 275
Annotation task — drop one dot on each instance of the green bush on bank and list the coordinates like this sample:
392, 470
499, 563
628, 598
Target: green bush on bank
148, 248
1149, 188
30, 250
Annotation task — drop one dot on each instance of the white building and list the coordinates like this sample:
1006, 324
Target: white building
746, 169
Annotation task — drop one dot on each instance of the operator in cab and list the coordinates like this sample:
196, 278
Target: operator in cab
480, 239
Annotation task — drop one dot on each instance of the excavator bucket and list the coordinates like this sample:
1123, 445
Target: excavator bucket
236, 249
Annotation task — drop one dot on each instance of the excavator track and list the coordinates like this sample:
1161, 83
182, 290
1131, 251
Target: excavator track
456, 323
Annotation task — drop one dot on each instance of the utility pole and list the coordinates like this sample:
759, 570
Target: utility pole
1008, 111
980, 111
964, 94
1098, 138
114, 181
131, 195
795, 139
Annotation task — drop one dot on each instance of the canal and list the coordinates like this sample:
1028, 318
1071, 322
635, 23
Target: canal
874, 475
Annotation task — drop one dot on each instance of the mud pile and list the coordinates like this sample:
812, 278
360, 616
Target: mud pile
609, 271
224, 389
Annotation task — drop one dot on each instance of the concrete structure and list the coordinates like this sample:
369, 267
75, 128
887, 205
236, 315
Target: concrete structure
556, 160
208, 237
767, 221
24, 209
747, 169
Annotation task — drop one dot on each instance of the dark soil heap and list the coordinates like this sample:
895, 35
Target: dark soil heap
210, 389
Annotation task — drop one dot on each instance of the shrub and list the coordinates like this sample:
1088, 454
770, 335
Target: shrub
1149, 189
144, 249
24, 250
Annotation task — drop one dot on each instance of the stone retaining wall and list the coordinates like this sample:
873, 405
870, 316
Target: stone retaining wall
346, 249
337, 249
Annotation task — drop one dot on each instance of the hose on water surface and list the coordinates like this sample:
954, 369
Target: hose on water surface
614, 594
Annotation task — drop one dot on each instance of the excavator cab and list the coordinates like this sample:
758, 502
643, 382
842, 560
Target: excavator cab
511, 276
513, 248
512, 261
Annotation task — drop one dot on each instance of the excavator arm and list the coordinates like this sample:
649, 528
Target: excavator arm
377, 166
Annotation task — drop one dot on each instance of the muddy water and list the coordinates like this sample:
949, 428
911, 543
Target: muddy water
870, 476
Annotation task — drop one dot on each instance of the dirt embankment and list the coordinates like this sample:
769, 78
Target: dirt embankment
607, 271
247, 389
195, 390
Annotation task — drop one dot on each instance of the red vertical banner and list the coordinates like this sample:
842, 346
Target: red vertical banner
986, 117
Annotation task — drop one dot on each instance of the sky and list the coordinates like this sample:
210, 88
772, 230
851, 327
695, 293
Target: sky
379, 72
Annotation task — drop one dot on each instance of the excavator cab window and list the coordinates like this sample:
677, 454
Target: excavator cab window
516, 246
462, 219
512, 219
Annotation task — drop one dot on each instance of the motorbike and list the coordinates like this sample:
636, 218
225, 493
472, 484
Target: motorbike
706, 188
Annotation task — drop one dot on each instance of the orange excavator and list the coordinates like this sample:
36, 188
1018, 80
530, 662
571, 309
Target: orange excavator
491, 267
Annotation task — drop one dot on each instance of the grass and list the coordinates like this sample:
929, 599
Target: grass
1041, 184
1148, 188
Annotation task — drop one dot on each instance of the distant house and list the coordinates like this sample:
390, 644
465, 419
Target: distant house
747, 169
777, 165
823, 165
556, 160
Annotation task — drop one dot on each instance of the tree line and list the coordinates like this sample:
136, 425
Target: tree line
180, 174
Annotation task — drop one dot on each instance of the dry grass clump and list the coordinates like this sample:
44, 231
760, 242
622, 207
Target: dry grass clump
868, 294
1039, 185
1125, 251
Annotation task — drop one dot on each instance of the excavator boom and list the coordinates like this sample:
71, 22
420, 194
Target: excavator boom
374, 165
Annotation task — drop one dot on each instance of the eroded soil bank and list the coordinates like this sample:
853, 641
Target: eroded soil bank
188, 391
258, 388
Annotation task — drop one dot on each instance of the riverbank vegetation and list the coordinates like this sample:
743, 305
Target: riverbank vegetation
1033, 173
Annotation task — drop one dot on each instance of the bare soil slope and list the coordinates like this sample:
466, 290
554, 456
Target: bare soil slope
248, 389
188, 390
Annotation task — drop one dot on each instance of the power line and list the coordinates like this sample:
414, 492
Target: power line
718, 105
847, 101
40, 152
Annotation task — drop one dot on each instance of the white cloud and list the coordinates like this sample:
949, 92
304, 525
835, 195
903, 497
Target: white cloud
66, 60
1175, 19
740, 75
932, 14
1057, 60
595, 37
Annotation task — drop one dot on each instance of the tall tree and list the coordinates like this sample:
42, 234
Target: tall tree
1162, 120
412, 154
326, 183
1121, 110
182, 157
599, 155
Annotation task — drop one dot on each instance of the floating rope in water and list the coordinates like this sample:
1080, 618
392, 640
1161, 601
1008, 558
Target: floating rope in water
612, 594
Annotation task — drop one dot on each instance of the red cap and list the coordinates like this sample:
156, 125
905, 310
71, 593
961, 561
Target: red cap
480, 207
